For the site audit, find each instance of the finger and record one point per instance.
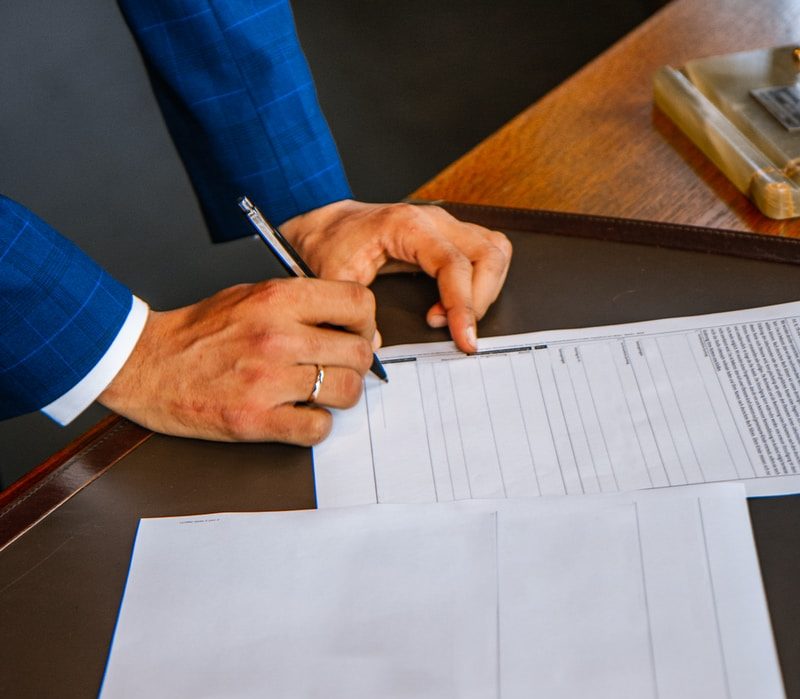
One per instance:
(459, 255)
(488, 276)
(487, 281)
(257, 420)
(344, 304)
(338, 387)
(453, 273)
(463, 327)
(332, 347)
(490, 253)
(305, 425)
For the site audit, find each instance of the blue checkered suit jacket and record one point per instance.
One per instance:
(240, 104)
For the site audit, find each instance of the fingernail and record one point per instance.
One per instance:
(437, 321)
(377, 340)
(472, 337)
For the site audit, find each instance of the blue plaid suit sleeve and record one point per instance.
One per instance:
(240, 103)
(59, 312)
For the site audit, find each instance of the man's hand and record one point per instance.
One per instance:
(236, 365)
(350, 240)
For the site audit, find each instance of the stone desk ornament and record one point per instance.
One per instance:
(743, 111)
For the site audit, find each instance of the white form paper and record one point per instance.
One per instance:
(313, 604)
(653, 594)
(617, 408)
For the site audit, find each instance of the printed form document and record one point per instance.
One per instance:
(643, 405)
(653, 594)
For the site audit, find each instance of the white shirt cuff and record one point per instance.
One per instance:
(66, 408)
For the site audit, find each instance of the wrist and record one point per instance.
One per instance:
(316, 219)
(69, 405)
(124, 392)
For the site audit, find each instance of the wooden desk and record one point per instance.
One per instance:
(596, 144)
(61, 582)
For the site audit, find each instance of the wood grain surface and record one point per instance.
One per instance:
(597, 145)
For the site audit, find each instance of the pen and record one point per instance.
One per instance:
(291, 261)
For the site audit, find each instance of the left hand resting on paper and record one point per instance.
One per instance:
(353, 241)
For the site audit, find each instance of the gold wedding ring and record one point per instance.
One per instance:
(317, 384)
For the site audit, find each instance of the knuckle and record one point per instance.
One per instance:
(496, 259)
(370, 303)
(270, 287)
(361, 297)
(502, 243)
(456, 259)
(234, 291)
(237, 421)
(274, 344)
(403, 211)
(286, 290)
(364, 355)
(407, 218)
(468, 311)
(271, 291)
(351, 386)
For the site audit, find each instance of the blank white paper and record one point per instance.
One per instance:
(311, 604)
(612, 409)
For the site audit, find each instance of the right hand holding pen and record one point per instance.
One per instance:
(234, 367)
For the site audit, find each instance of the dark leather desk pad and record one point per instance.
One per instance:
(61, 582)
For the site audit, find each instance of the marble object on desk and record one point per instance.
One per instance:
(711, 101)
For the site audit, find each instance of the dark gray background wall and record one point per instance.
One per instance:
(407, 88)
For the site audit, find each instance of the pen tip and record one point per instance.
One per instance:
(378, 370)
